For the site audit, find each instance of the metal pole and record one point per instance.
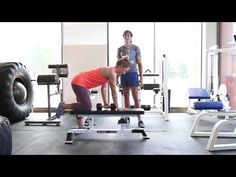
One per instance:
(62, 60)
(108, 57)
(165, 87)
(49, 106)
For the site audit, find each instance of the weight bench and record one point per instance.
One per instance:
(196, 93)
(214, 108)
(96, 114)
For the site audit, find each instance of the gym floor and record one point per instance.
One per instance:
(166, 137)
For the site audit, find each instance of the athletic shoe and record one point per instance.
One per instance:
(122, 120)
(60, 110)
(87, 121)
(141, 124)
(128, 119)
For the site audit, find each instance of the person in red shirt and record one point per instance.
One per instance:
(82, 82)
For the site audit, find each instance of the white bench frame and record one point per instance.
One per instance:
(92, 130)
(215, 132)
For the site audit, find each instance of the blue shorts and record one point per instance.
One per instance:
(129, 79)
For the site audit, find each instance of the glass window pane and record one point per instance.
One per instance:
(181, 42)
(35, 45)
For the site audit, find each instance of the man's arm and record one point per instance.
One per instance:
(119, 54)
(104, 94)
(140, 68)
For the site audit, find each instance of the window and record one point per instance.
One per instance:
(35, 45)
(181, 43)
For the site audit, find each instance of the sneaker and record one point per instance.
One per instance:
(87, 121)
(60, 110)
(122, 120)
(141, 124)
(127, 119)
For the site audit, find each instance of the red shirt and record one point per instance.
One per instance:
(90, 79)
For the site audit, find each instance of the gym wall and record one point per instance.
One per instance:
(81, 58)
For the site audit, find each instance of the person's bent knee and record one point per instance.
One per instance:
(87, 107)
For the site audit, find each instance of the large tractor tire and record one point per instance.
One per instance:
(16, 95)
(5, 136)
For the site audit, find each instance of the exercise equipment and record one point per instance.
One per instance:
(160, 88)
(155, 87)
(143, 106)
(226, 112)
(164, 89)
(196, 93)
(205, 105)
(97, 114)
(16, 95)
(214, 108)
(215, 132)
(5, 136)
(60, 70)
(99, 107)
(146, 107)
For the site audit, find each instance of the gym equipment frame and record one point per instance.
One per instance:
(96, 114)
(61, 70)
(215, 132)
(230, 115)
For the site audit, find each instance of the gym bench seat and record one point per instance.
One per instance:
(105, 113)
(214, 108)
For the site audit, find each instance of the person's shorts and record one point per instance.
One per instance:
(129, 79)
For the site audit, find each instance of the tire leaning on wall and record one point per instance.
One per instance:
(11, 73)
(5, 136)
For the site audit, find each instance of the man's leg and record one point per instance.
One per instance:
(133, 82)
(135, 94)
(126, 91)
